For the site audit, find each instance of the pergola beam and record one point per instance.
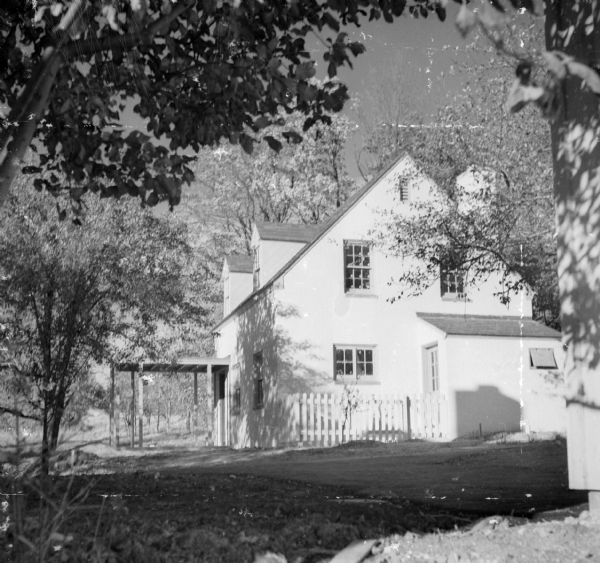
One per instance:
(199, 365)
(193, 365)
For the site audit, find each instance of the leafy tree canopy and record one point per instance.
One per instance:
(495, 206)
(116, 284)
(196, 72)
(301, 183)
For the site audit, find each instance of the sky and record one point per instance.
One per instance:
(421, 53)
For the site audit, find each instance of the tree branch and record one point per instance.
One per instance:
(16, 412)
(33, 103)
(121, 42)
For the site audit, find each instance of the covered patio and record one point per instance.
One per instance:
(216, 371)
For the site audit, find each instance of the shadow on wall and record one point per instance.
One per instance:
(285, 371)
(485, 411)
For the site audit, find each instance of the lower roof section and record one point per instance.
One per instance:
(484, 325)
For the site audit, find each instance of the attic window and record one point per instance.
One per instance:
(404, 192)
(403, 189)
(542, 358)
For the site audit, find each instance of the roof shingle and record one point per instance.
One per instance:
(239, 263)
(288, 232)
(480, 325)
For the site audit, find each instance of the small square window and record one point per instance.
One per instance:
(542, 358)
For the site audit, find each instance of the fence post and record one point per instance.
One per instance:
(304, 409)
(408, 418)
(370, 415)
(296, 414)
(319, 409)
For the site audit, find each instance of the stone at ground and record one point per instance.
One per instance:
(557, 541)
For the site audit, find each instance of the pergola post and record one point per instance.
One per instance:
(196, 404)
(111, 408)
(117, 416)
(17, 426)
(141, 405)
(210, 386)
(132, 409)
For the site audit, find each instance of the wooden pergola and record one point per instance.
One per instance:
(193, 365)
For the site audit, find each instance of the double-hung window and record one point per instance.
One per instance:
(357, 266)
(452, 282)
(353, 362)
(259, 399)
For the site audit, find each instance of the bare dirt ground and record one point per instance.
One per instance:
(420, 501)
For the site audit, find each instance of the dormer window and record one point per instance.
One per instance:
(357, 266)
(255, 268)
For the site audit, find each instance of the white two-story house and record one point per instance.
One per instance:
(312, 312)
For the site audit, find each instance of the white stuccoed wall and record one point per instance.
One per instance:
(297, 321)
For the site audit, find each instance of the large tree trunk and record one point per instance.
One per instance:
(576, 152)
(45, 456)
(58, 410)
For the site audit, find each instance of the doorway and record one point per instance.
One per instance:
(431, 371)
(221, 408)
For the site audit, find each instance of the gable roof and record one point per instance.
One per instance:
(239, 263)
(483, 325)
(288, 232)
(322, 230)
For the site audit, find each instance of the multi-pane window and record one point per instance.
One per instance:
(432, 369)
(353, 361)
(255, 269)
(452, 281)
(357, 266)
(258, 380)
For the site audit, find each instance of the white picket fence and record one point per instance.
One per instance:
(327, 419)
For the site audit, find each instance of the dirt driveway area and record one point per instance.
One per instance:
(398, 502)
(517, 478)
